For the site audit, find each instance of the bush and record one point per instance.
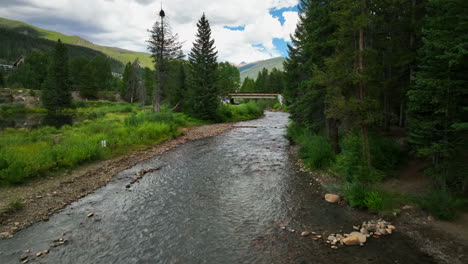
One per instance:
(232, 113)
(385, 154)
(356, 193)
(314, 149)
(374, 201)
(442, 203)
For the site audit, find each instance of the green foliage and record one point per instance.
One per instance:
(14, 44)
(386, 155)
(203, 101)
(14, 107)
(233, 113)
(356, 193)
(248, 86)
(16, 206)
(76, 45)
(228, 80)
(32, 73)
(442, 203)
(25, 154)
(361, 195)
(315, 150)
(2, 79)
(56, 89)
(437, 101)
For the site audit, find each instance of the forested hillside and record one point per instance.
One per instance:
(118, 54)
(251, 70)
(364, 73)
(13, 45)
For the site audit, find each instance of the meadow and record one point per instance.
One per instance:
(27, 154)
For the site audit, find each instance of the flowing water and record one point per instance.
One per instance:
(215, 200)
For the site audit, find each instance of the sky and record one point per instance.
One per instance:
(244, 30)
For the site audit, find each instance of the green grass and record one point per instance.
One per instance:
(247, 111)
(26, 154)
(16, 206)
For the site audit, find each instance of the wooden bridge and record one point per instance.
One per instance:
(257, 96)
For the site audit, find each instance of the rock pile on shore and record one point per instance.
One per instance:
(372, 228)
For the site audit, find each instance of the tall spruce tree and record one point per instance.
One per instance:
(204, 92)
(438, 104)
(56, 91)
(163, 45)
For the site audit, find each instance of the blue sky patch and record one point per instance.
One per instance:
(238, 28)
(278, 13)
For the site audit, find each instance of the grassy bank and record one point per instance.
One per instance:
(26, 154)
(363, 186)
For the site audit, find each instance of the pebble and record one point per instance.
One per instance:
(90, 214)
(334, 247)
(23, 257)
(305, 233)
(38, 254)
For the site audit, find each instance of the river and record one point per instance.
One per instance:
(216, 200)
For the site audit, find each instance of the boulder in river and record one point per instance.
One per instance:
(332, 198)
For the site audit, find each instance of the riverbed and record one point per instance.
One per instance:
(222, 199)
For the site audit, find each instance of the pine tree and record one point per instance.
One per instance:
(438, 103)
(2, 79)
(56, 91)
(204, 92)
(248, 86)
(163, 46)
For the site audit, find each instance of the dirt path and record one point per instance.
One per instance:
(45, 196)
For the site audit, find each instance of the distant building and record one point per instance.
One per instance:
(16, 64)
(19, 61)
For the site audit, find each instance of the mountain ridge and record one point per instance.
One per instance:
(252, 69)
(119, 54)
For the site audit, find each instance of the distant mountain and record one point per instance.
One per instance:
(251, 70)
(118, 54)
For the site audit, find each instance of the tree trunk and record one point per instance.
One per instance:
(365, 138)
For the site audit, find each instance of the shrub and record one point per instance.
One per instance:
(442, 203)
(231, 113)
(356, 193)
(16, 205)
(316, 151)
(374, 201)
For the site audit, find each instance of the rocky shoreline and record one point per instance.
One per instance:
(444, 245)
(43, 197)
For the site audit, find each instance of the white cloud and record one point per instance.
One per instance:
(123, 23)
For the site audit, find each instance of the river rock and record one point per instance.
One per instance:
(23, 257)
(331, 238)
(305, 233)
(362, 238)
(5, 235)
(332, 198)
(90, 214)
(351, 241)
(407, 207)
